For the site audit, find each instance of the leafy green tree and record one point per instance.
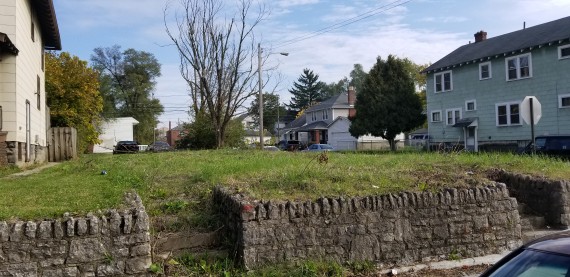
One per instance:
(271, 109)
(307, 91)
(331, 89)
(128, 81)
(72, 91)
(200, 134)
(357, 77)
(388, 104)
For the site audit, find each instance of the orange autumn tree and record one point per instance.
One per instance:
(72, 89)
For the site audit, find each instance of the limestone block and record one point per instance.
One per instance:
(70, 272)
(115, 223)
(85, 250)
(82, 227)
(70, 227)
(4, 231)
(137, 265)
(127, 223)
(113, 269)
(45, 230)
(17, 231)
(58, 231)
(93, 225)
(140, 250)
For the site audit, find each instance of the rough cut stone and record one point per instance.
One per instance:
(45, 230)
(85, 250)
(4, 231)
(137, 265)
(81, 227)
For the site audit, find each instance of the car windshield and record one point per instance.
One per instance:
(535, 263)
(540, 142)
(326, 146)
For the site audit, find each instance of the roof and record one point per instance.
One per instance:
(337, 101)
(48, 24)
(6, 45)
(298, 122)
(317, 125)
(552, 32)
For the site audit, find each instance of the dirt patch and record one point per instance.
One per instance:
(452, 272)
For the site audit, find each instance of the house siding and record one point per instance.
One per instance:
(549, 79)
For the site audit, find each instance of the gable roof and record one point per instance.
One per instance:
(556, 31)
(298, 122)
(48, 23)
(337, 101)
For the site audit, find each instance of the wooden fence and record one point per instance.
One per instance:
(62, 143)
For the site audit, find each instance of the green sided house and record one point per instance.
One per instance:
(474, 93)
(27, 28)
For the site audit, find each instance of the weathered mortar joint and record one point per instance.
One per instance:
(394, 228)
(114, 243)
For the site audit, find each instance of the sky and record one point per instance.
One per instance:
(421, 30)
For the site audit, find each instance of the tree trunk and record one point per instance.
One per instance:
(392, 143)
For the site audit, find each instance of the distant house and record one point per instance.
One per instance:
(474, 93)
(327, 122)
(113, 131)
(27, 28)
(252, 130)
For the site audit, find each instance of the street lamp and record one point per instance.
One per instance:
(261, 140)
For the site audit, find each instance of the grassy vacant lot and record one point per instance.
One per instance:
(177, 184)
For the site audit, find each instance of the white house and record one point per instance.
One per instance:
(113, 131)
(27, 28)
(328, 122)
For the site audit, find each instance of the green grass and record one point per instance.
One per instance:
(177, 185)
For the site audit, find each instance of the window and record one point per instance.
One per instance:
(313, 116)
(453, 115)
(43, 58)
(485, 71)
(470, 105)
(508, 114)
(564, 101)
(325, 114)
(564, 52)
(33, 32)
(38, 95)
(436, 116)
(443, 81)
(519, 67)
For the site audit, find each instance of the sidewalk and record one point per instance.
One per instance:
(31, 171)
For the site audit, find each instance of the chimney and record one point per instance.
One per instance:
(480, 36)
(351, 101)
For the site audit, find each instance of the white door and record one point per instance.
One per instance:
(471, 139)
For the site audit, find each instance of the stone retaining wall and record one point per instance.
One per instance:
(547, 198)
(390, 229)
(114, 244)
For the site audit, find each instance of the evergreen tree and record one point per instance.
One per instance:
(307, 90)
(388, 104)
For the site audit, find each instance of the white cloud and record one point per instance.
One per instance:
(291, 3)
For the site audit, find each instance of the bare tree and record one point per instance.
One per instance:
(217, 57)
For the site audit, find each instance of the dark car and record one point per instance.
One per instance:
(290, 145)
(126, 146)
(159, 146)
(554, 145)
(547, 256)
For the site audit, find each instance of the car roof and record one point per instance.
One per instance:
(557, 243)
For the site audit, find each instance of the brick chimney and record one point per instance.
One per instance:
(351, 101)
(480, 36)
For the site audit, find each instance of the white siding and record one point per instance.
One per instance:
(113, 131)
(339, 137)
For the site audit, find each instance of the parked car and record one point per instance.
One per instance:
(553, 145)
(547, 256)
(290, 145)
(270, 148)
(159, 146)
(319, 148)
(126, 146)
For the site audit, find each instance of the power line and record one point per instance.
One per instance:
(344, 23)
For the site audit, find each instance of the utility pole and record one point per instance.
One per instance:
(261, 141)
